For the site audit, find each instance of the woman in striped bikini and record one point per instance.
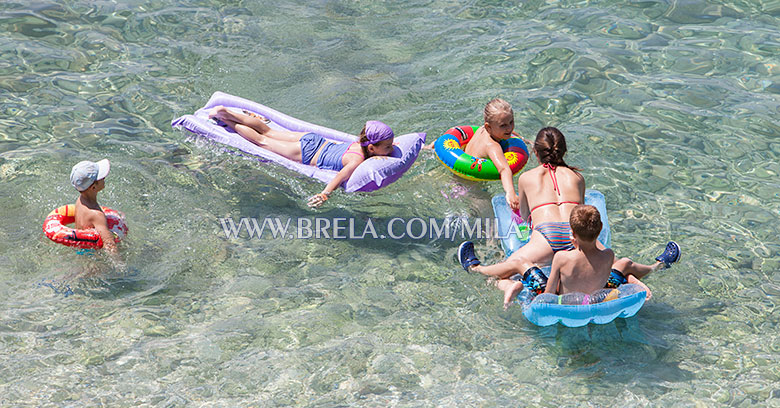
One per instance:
(376, 139)
(548, 194)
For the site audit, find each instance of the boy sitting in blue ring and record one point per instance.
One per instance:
(589, 266)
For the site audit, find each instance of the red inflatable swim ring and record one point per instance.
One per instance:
(55, 228)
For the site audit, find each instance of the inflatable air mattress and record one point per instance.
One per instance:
(374, 173)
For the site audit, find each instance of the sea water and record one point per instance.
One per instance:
(669, 107)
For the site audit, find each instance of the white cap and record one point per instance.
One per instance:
(86, 172)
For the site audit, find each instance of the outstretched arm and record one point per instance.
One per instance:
(98, 219)
(499, 160)
(633, 279)
(526, 141)
(343, 174)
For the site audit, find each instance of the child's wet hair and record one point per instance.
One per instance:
(495, 107)
(585, 222)
(550, 146)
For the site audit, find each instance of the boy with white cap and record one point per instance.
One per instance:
(89, 179)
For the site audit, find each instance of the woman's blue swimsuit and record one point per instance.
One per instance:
(331, 155)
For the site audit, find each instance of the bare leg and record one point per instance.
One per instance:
(629, 267)
(511, 288)
(505, 269)
(290, 150)
(537, 250)
(255, 123)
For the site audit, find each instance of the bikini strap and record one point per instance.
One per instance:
(347, 151)
(551, 169)
(558, 203)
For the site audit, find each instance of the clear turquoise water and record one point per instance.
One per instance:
(671, 108)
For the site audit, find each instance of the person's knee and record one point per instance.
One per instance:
(517, 264)
(622, 264)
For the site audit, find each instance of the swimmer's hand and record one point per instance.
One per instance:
(317, 200)
(513, 201)
(428, 146)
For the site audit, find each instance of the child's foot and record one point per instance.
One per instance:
(466, 255)
(671, 254)
(510, 293)
(217, 111)
(254, 115)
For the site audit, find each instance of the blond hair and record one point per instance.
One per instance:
(495, 107)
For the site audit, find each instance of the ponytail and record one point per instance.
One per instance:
(550, 146)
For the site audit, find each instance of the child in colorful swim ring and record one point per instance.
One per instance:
(547, 194)
(89, 178)
(376, 139)
(499, 124)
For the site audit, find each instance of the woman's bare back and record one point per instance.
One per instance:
(538, 189)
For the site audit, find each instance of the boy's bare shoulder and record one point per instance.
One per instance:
(87, 217)
(565, 257)
(97, 212)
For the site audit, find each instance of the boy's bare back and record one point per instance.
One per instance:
(582, 271)
(586, 268)
(88, 216)
(89, 179)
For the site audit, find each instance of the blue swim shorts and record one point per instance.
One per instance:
(310, 144)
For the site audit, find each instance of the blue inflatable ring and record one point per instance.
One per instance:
(546, 309)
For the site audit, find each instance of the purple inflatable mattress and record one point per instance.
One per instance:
(374, 173)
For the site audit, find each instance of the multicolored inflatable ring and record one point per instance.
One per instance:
(449, 149)
(54, 226)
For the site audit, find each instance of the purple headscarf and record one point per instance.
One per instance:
(377, 131)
